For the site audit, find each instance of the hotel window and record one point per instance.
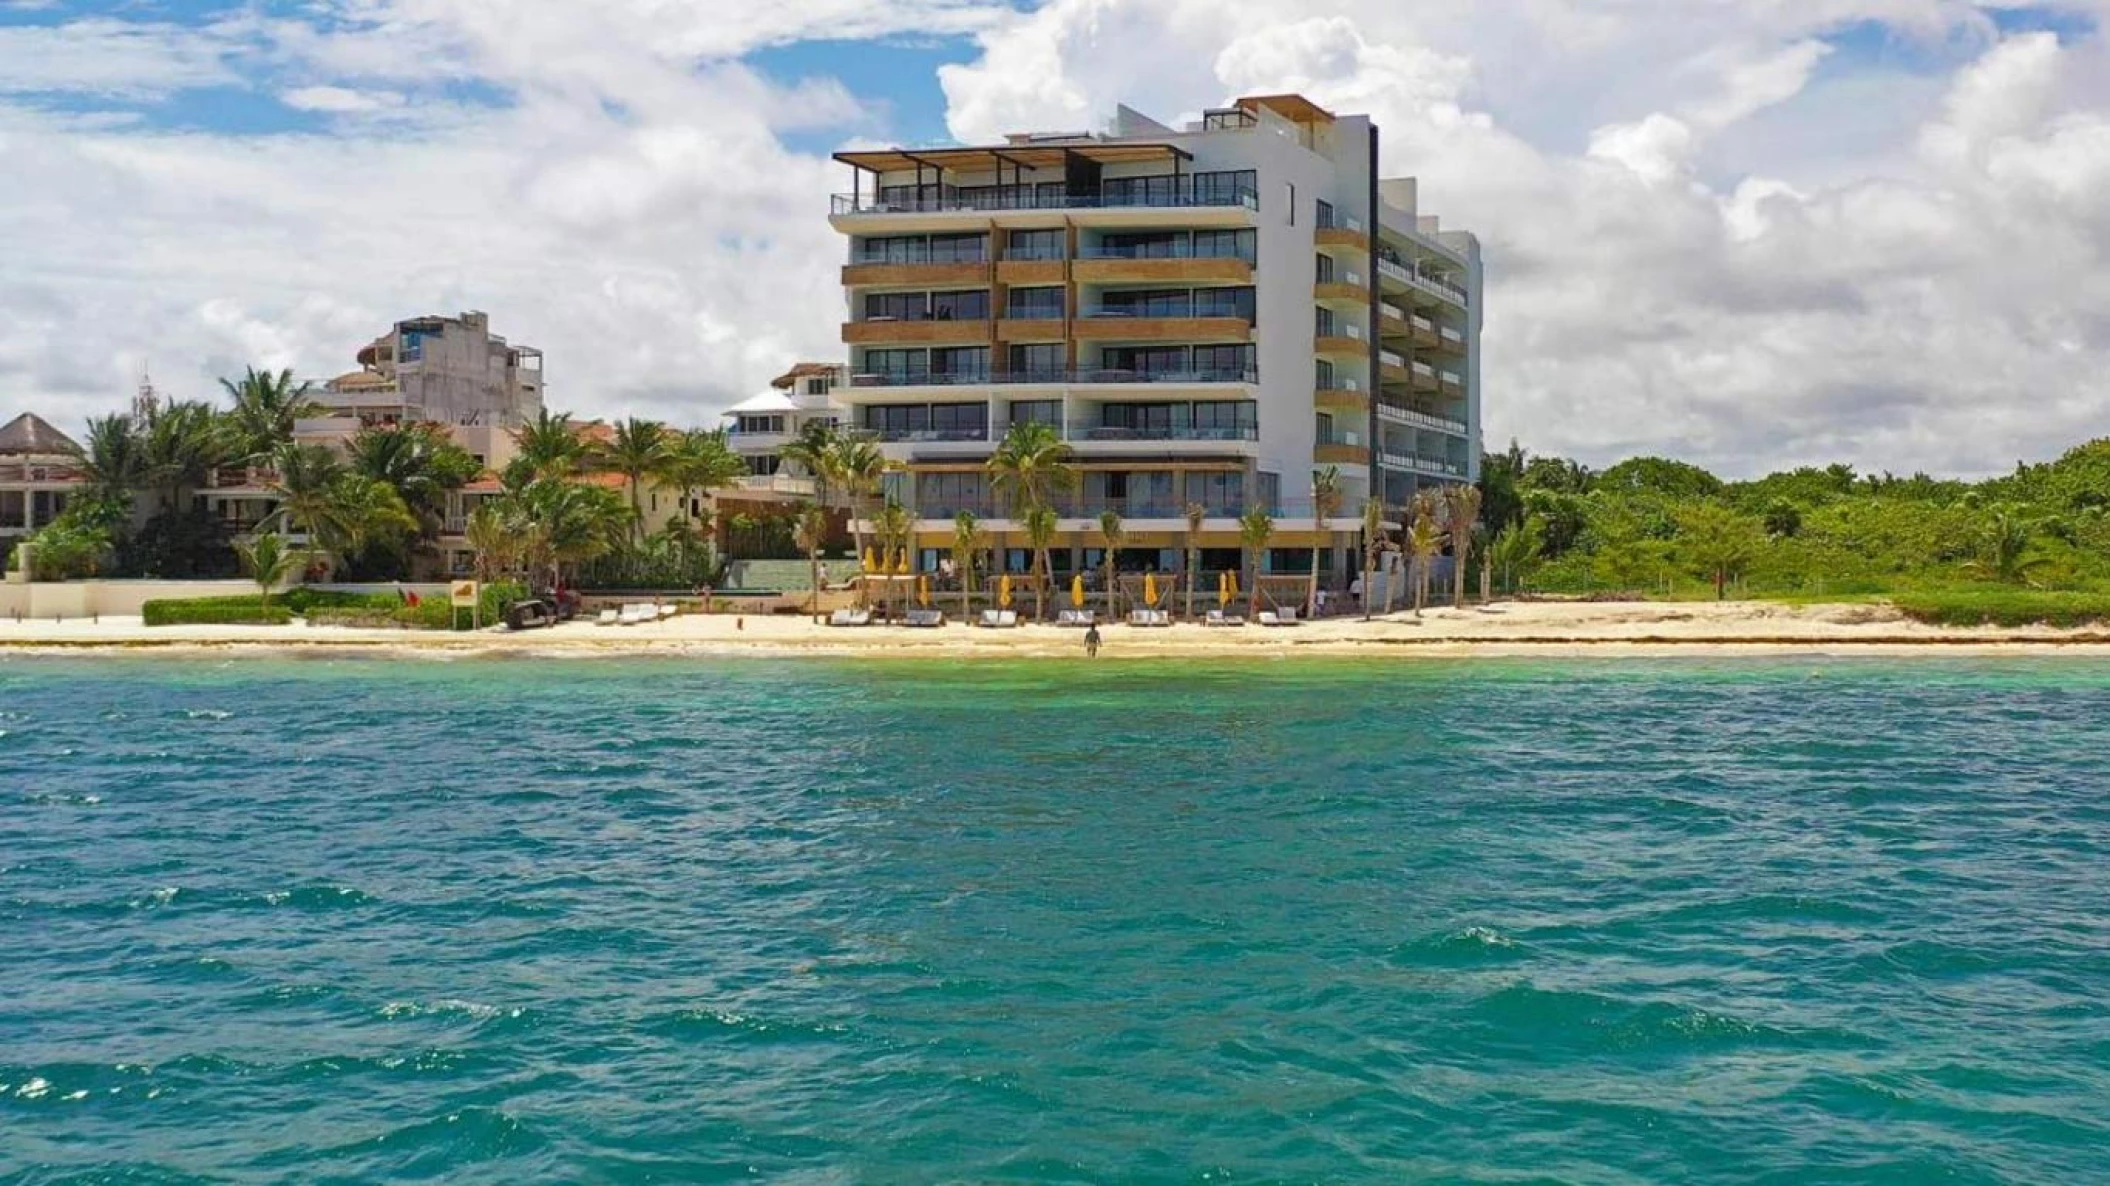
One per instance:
(1147, 360)
(897, 419)
(969, 363)
(1324, 323)
(1038, 363)
(1160, 245)
(897, 306)
(761, 424)
(1036, 245)
(1322, 375)
(816, 387)
(1325, 269)
(1224, 302)
(1224, 245)
(896, 363)
(1036, 304)
(949, 494)
(1228, 361)
(969, 305)
(960, 419)
(1227, 187)
(1037, 411)
(1229, 417)
(1220, 492)
(1270, 488)
(1160, 190)
(1140, 418)
(1149, 302)
(1325, 213)
(959, 249)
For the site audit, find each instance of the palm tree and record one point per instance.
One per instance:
(1031, 464)
(859, 465)
(810, 531)
(1196, 512)
(1424, 540)
(1040, 524)
(305, 482)
(1515, 550)
(265, 408)
(114, 461)
(1461, 505)
(637, 449)
(1373, 549)
(184, 443)
(493, 538)
(269, 560)
(701, 460)
(569, 524)
(813, 450)
(1325, 503)
(966, 541)
(2008, 548)
(893, 526)
(549, 446)
(1111, 531)
(420, 462)
(370, 515)
(1255, 528)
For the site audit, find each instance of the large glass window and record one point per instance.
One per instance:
(1148, 302)
(1230, 416)
(1227, 187)
(1036, 304)
(1140, 191)
(1152, 245)
(1147, 360)
(896, 306)
(1036, 245)
(1037, 363)
(968, 305)
(1224, 245)
(1037, 411)
(1322, 375)
(959, 249)
(960, 362)
(1230, 361)
(1224, 302)
(896, 420)
(1222, 493)
(1325, 268)
(941, 496)
(960, 420)
(1324, 323)
(896, 363)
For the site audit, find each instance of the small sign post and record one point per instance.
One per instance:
(461, 594)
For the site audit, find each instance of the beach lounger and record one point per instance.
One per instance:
(850, 617)
(1076, 617)
(668, 611)
(1161, 617)
(988, 620)
(1007, 618)
(1219, 618)
(1268, 617)
(1139, 617)
(607, 618)
(926, 618)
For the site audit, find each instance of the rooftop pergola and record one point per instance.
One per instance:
(931, 165)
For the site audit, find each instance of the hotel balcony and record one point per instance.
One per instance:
(1346, 341)
(14, 474)
(1340, 399)
(885, 331)
(1400, 277)
(1341, 231)
(1095, 377)
(1340, 448)
(879, 272)
(1347, 288)
(1434, 467)
(1032, 325)
(1395, 412)
(1080, 513)
(1111, 325)
(1029, 266)
(1109, 265)
(941, 207)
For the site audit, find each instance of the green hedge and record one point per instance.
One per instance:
(2004, 607)
(303, 599)
(431, 613)
(215, 611)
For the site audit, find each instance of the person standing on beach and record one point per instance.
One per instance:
(1091, 641)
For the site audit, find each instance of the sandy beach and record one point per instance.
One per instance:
(1537, 628)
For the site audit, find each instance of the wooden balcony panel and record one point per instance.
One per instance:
(1341, 346)
(1031, 329)
(913, 275)
(1030, 271)
(1340, 455)
(1162, 329)
(1341, 399)
(1165, 271)
(1334, 290)
(917, 333)
(1341, 237)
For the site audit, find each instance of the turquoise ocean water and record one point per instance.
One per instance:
(708, 920)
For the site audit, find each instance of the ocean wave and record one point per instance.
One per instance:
(1522, 1014)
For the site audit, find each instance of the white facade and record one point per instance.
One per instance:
(759, 427)
(1208, 314)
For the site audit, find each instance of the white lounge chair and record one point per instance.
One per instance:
(668, 611)
(850, 617)
(607, 618)
(988, 619)
(631, 615)
(1007, 618)
(1218, 617)
(1076, 617)
(926, 618)
(1278, 617)
(1139, 617)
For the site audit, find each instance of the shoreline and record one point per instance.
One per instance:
(1543, 629)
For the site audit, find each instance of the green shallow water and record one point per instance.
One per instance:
(695, 921)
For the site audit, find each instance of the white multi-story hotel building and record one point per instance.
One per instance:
(758, 428)
(1208, 315)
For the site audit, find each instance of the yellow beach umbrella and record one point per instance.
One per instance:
(901, 563)
(1077, 590)
(1003, 591)
(1150, 589)
(868, 566)
(1233, 577)
(923, 591)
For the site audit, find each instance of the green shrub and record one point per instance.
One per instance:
(2004, 607)
(215, 611)
(303, 599)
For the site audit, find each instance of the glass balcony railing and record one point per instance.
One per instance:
(1155, 197)
(1172, 250)
(918, 257)
(1163, 432)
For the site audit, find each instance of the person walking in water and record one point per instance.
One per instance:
(1091, 641)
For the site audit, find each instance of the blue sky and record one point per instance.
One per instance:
(1703, 235)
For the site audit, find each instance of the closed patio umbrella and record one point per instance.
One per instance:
(1150, 589)
(901, 563)
(923, 591)
(1223, 589)
(1077, 591)
(1003, 591)
(868, 566)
